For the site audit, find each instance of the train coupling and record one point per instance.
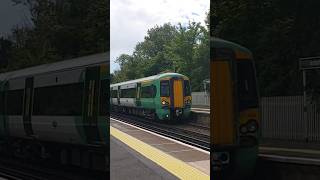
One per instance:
(178, 112)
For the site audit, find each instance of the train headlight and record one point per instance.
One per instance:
(252, 126)
(243, 129)
(164, 103)
(188, 101)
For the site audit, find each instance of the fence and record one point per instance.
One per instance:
(284, 118)
(200, 99)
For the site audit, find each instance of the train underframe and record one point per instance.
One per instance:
(87, 157)
(168, 114)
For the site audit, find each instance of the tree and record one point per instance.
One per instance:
(5, 48)
(59, 30)
(182, 49)
(277, 32)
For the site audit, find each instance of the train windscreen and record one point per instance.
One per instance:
(247, 87)
(187, 90)
(164, 88)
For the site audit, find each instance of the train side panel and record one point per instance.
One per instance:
(14, 108)
(148, 95)
(57, 106)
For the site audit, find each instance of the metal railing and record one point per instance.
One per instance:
(284, 118)
(200, 99)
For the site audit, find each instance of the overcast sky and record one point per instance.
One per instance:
(11, 15)
(130, 20)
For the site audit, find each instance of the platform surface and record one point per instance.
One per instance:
(126, 164)
(160, 156)
(290, 155)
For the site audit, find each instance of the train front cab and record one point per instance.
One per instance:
(234, 111)
(175, 98)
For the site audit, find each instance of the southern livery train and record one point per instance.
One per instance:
(58, 112)
(235, 111)
(165, 96)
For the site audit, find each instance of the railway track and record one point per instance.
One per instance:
(14, 170)
(199, 126)
(15, 174)
(193, 138)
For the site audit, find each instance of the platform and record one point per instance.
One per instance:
(290, 155)
(128, 164)
(287, 162)
(160, 156)
(200, 110)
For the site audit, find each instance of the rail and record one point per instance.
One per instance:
(182, 134)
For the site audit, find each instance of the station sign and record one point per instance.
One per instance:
(309, 63)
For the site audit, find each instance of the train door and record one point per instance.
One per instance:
(138, 101)
(27, 106)
(91, 103)
(177, 88)
(222, 100)
(2, 109)
(118, 95)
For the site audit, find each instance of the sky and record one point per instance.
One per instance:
(131, 19)
(11, 15)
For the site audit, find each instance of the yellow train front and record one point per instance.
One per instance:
(234, 111)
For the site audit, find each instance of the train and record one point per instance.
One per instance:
(235, 126)
(163, 97)
(58, 112)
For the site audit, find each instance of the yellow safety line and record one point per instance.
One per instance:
(306, 151)
(171, 164)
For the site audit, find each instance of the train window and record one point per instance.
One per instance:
(148, 91)
(247, 89)
(63, 100)
(187, 91)
(104, 103)
(15, 102)
(165, 88)
(222, 53)
(128, 93)
(114, 94)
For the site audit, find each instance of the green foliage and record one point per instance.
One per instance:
(278, 32)
(168, 48)
(5, 50)
(59, 30)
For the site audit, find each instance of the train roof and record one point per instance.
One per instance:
(221, 43)
(147, 78)
(95, 59)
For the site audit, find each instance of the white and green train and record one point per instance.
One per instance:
(57, 110)
(165, 96)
